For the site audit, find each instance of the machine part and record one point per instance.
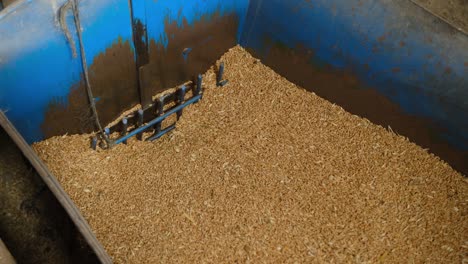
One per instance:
(159, 119)
(140, 123)
(155, 114)
(180, 99)
(219, 78)
(94, 142)
(199, 85)
(185, 53)
(159, 111)
(162, 133)
(124, 128)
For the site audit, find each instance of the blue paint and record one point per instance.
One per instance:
(158, 12)
(36, 61)
(104, 23)
(349, 34)
(33, 68)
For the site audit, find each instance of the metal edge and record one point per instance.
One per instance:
(427, 10)
(12, 8)
(63, 198)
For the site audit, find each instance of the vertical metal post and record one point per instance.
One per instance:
(199, 85)
(107, 132)
(159, 112)
(140, 123)
(219, 78)
(94, 142)
(180, 99)
(124, 128)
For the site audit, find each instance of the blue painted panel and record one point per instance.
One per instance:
(36, 65)
(157, 12)
(104, 22)
(409, 56)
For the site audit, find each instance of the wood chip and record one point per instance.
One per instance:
(263, 171)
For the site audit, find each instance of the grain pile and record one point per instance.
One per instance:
(263, 171)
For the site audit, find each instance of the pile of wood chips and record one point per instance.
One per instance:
(263, 171)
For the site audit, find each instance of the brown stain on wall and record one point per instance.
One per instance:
(345, 89)
(73, 117)
(207, 38)
(113, 80)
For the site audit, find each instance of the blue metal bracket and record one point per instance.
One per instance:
(137, 119)
(158, 120)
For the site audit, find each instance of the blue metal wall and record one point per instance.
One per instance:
(27, 51)
(36, 64)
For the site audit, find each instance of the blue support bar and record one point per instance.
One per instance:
(162, 133)
(107, 132)
(158, 119)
